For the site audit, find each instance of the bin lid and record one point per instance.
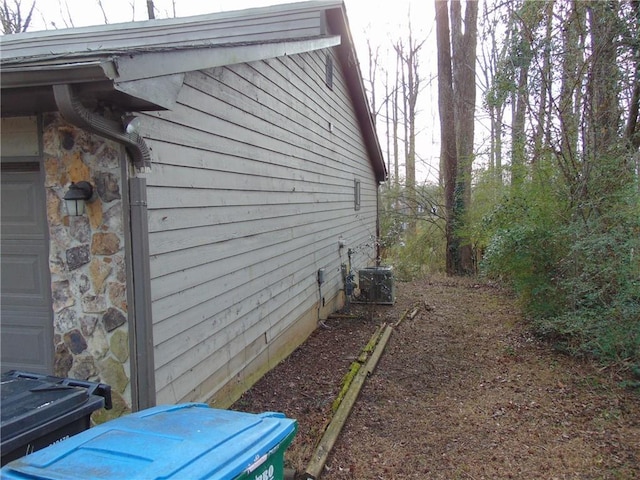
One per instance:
(30, 402)
(167, 442)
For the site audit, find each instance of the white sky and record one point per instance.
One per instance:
(382, 21)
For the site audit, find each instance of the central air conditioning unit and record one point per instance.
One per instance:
(376, 286)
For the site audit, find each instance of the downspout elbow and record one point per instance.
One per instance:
(74, 112)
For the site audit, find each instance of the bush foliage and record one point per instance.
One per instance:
(574, 262)
(575, 266)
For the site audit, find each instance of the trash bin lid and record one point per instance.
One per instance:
(28, 403)
(186, 441)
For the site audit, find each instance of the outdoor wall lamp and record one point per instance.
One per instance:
(75, 198)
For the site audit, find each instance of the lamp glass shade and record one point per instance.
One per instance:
(75, 207)
(76, 197)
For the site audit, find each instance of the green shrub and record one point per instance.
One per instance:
(575, 267)
(600, 282)
(526, 243)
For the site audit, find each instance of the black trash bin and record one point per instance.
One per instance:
(38, 410)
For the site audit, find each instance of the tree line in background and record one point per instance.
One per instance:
(554, 209)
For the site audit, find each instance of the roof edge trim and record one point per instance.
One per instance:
(338, 21)
(148, 64)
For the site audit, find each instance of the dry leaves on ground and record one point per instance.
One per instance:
(463, 390)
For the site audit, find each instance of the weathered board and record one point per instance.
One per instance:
(241, 219)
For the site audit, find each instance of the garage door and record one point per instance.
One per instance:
(26, 325)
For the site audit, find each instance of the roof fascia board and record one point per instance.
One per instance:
(154, 64)
(338, 22)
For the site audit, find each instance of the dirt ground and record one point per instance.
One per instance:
(462, 391)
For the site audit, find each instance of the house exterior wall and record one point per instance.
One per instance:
(87, 260)
(251, 189)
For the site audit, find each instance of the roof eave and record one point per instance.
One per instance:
(337, 20)
(145, 79)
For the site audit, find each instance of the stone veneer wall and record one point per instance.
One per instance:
(87, 261)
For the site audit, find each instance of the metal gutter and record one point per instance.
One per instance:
(20, 76)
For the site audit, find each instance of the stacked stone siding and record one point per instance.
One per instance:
(87, 260)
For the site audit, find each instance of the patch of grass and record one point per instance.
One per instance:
(630, 384)
(509, 351)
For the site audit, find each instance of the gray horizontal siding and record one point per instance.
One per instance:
(242, 218)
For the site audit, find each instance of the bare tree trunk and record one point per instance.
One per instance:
(495, 93)
(464, 43)
(610, 166)
(410, 165)
(498, 143)
(448, 151)
(632, 125)
(545, 86)
(387, 96)
(412, 89)
(373, 69)
(405, 124)
(518, 134)
(396, 120)
(520, 96)
(569, 109)
(603, 81)
(631, 132)
(151, 10)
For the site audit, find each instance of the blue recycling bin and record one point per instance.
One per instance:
(187, 441)
(37, 410)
